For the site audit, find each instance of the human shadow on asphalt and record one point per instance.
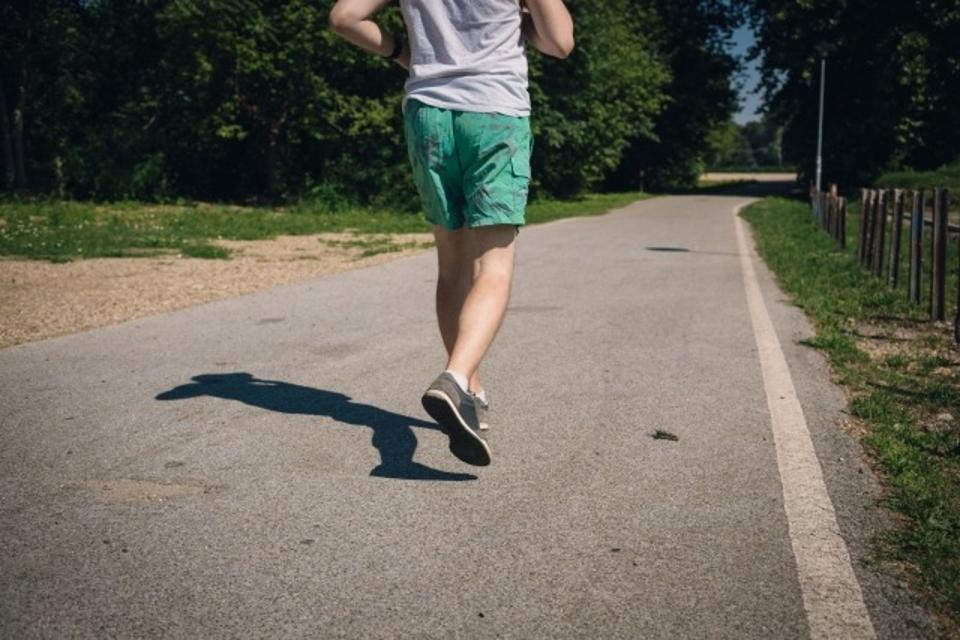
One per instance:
(393, 435)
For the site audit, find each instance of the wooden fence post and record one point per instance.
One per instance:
(832, 211)
(956, 321)
(825, 221)
(842, 230)
(832, 204)
(939, 279)
(871, 226)
(916, 246)
(866, 225)
(824, 210)
(895, 239)
(879, 233)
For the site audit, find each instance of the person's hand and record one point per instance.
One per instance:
(404, 58)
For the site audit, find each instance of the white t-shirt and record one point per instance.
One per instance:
(467, 55)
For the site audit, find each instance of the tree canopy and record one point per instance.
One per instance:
(893, 76)
(251, 100)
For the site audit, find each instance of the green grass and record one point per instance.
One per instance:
(903, 374)
(65, 230)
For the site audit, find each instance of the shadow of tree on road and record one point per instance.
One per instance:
(393, 435)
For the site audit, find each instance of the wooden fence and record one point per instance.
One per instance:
(890, 218)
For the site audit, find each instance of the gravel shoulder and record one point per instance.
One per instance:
(41, 300)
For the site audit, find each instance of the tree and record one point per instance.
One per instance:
(253, 100)
(729, 149)
(891, 80)
(273, 97)
(591, 105)
(764, 138)
(693, 38)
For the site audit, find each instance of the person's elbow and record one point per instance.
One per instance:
(563, 47)
(340, 18)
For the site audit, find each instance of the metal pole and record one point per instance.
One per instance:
(823, 75)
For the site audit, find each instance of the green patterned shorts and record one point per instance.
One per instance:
(471, 168)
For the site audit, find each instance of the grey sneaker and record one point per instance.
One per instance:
(483, 410)
(456, 413)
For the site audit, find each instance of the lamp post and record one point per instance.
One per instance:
(823, 49)
(823, 75)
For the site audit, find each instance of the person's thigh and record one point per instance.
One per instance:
(493, 248)
(494, 151)
(434, 162)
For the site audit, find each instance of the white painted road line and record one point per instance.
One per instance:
(831, 594)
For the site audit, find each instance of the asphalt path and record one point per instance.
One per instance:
(260, 467)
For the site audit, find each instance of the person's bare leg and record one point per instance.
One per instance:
(456, 270)
(485, 304)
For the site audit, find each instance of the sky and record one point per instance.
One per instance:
(743, 39)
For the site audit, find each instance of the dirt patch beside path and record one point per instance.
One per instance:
(41, 299)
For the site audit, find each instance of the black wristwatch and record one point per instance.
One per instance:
(397, 48)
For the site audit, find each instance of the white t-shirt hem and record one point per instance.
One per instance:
(475, 108)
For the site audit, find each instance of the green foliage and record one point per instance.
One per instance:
(592, 104)
(203, 250)
(766, 142)
(891, 85)
(254, 101)
(729, 147)
(238, 100)
(277, 98)
(947, 176)
(747, 147)
(693, 39)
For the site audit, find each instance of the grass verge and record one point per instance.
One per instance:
(65, 230)
(903, 375)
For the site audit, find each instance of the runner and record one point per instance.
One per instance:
(466, 119)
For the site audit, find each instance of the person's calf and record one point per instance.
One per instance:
(479, 322)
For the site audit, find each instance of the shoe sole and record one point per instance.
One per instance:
(464, 443)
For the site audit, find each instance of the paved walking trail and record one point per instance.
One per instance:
(260, 467)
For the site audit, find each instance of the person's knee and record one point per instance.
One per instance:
(496, 263)
(495, 273)
(449, 276)
(453, 269)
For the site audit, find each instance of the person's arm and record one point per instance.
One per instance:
(350, 19)
(547, 25)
